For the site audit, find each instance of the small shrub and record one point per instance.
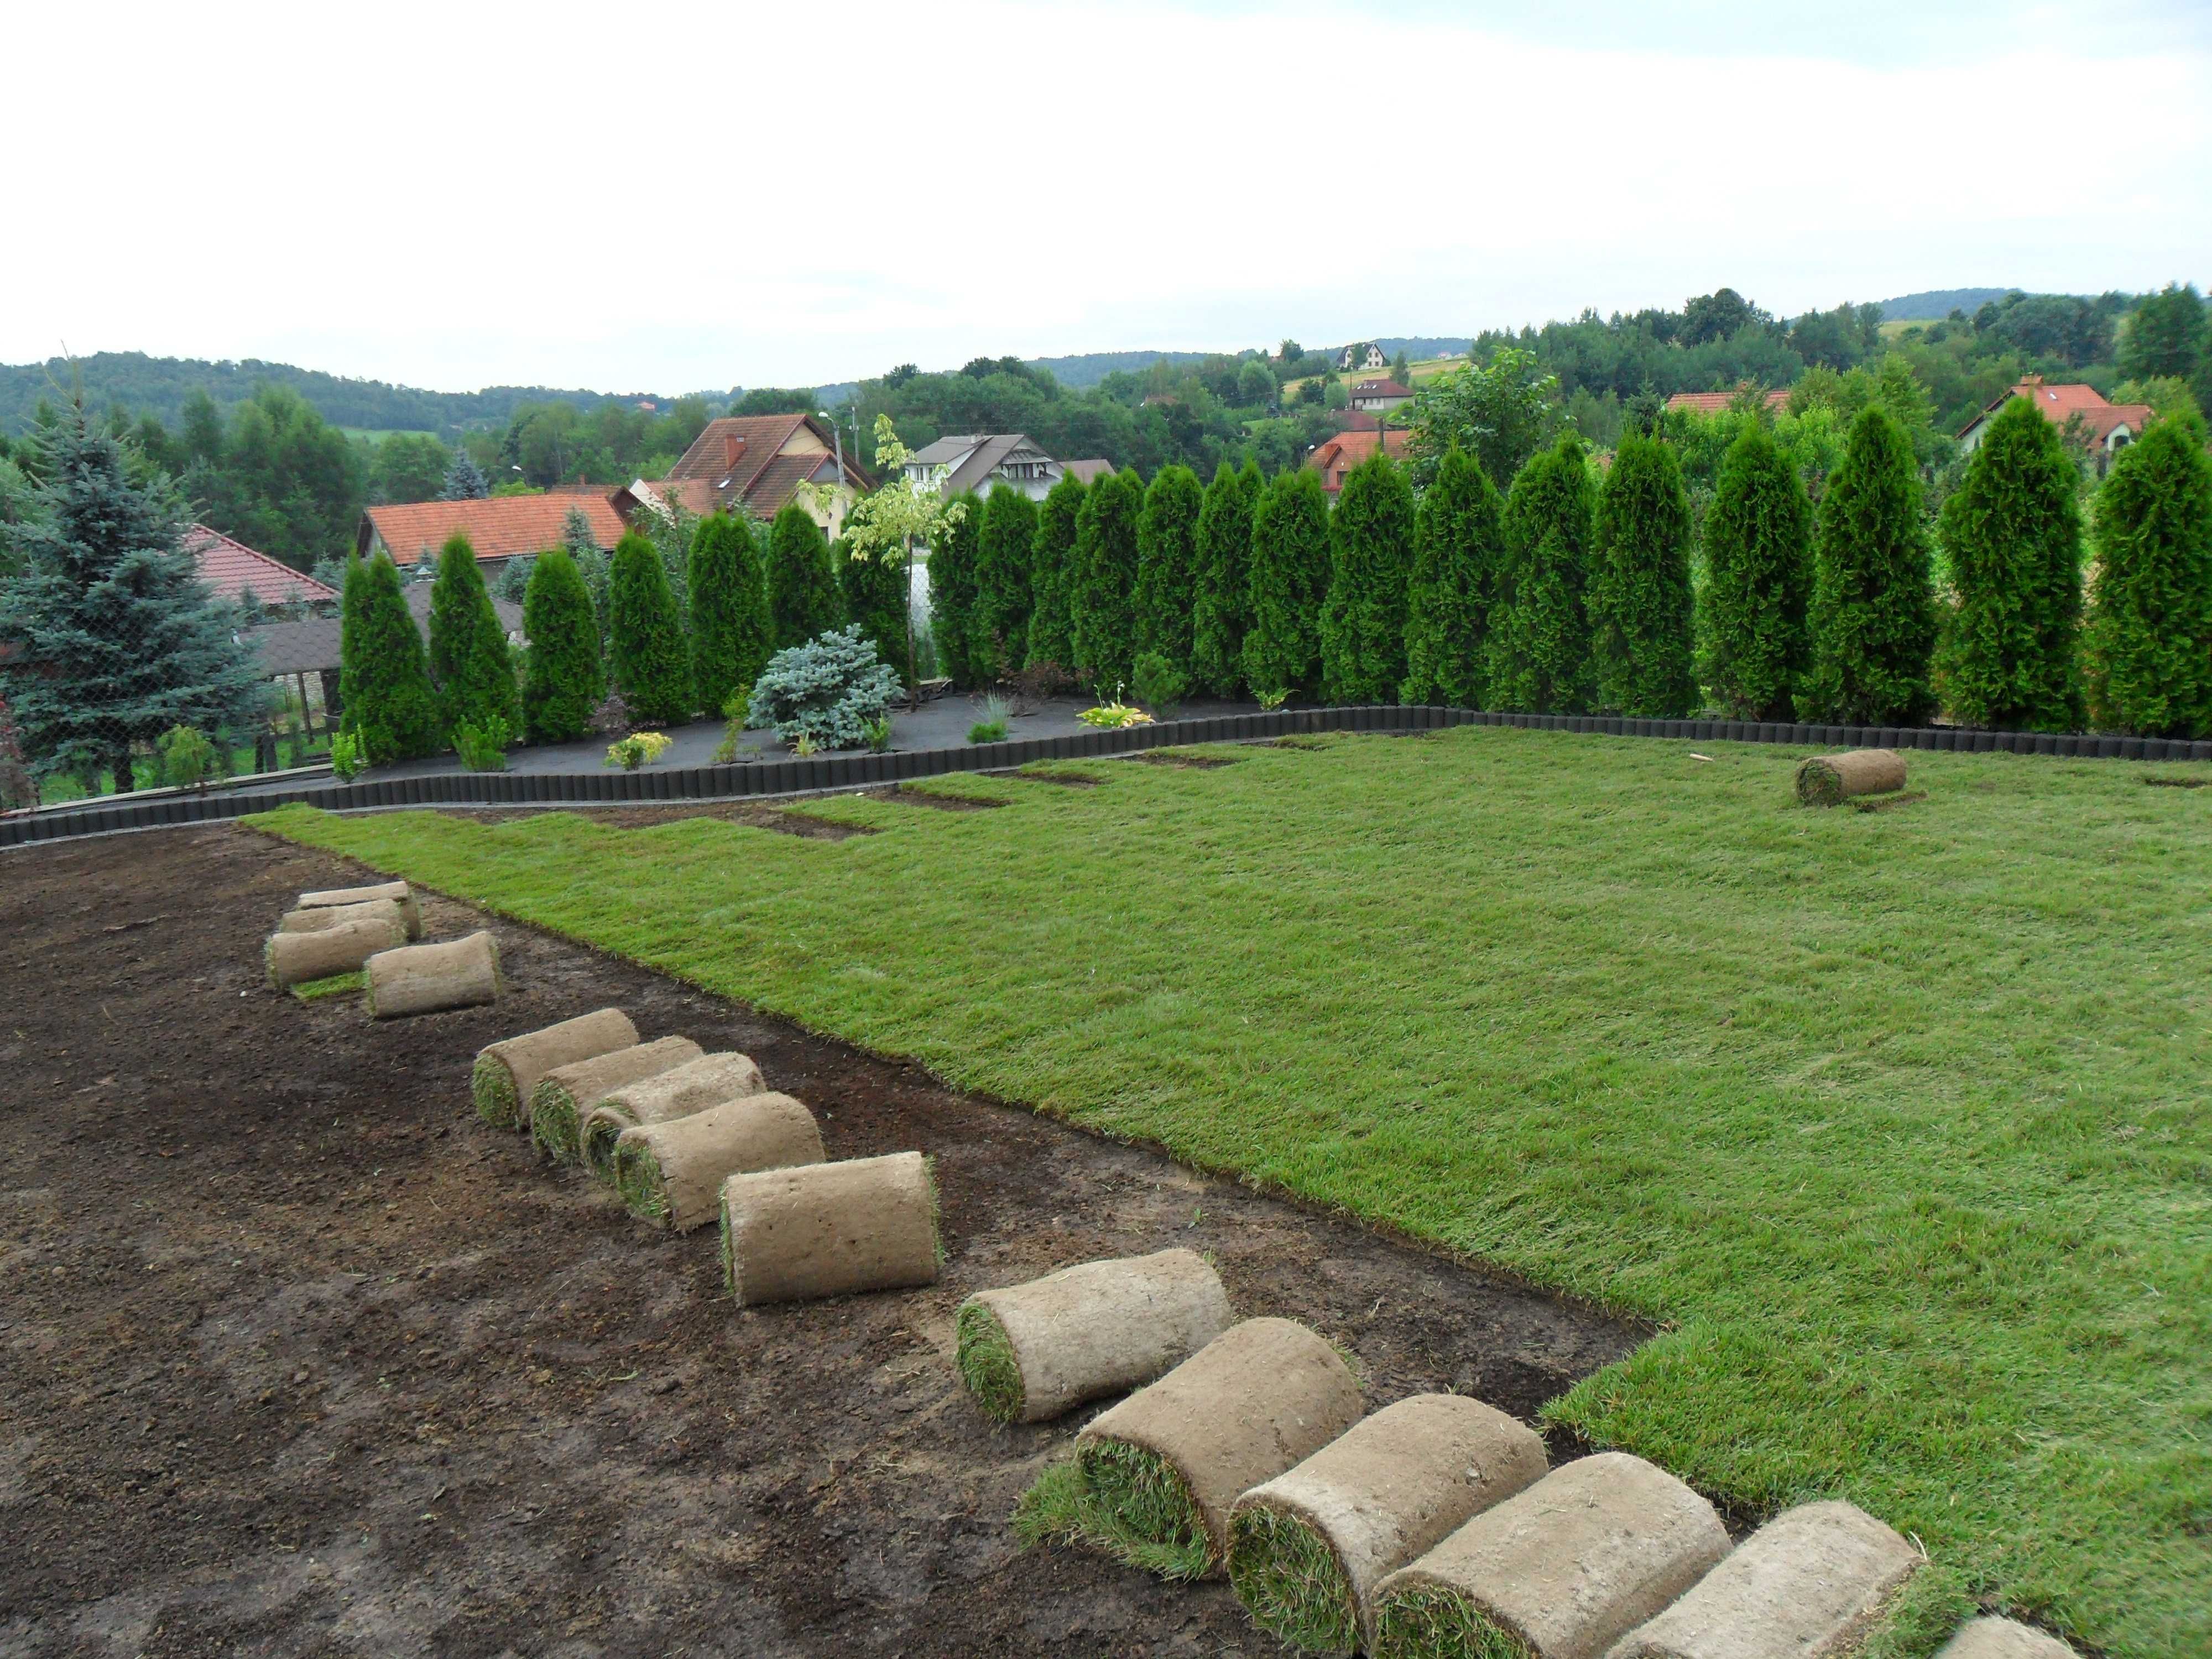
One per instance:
(733, 710)
(483, 748)
(1037, 682)
(612, 715)
(987, 731)
(189, 760)
(826, 690)
(877, 731)
(803, 745)
(638, 749)
(1113, 714)
(1271, 700)
(1159, 683)
(349, 754)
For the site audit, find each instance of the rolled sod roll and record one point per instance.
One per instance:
(295, 958)
(1560, 1571)
(334, 915)
(865, 1224)
(1160, 1472)
(692, 1087)
(673, 1171)
(559, 1099)
(1827, 780)
(1031, 1351)
(1807, 1585)
(507, 1071)
(2003, 1639)
(427, 979)
(1307, 1548)
(398, 892)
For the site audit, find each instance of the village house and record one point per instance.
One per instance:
(232, 570)
(981, 461)
(758, 464)
(1379, 397)
(2107, 427)
(1339, 455)
(1362, 357)
(498, 527)
(1719, 403)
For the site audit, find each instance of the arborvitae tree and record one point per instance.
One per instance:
(1167, 565)
(2148, 643)
(2009, 653)
(1539, 654)
(875, 591)
(952, 562)
(1101, 616)
(1873, 617)
(729, 609)
(998, 624)
(465, 479)
(802, 589)
(383, 681)
(1458, 546)
(646, 659)
(1221, 601)
(566, 680)
(1291, 570)
(470, 667)
(582, 543)
(1051, 563)
(1758, 581)
(1363, 631)
(1640, 605)
(114, 640)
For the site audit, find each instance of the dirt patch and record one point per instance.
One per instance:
(642, 818)
(2177, 783)
(1884, 803)
(1170, 757)
(301, 1358)
(1065, 780)
(910, 797)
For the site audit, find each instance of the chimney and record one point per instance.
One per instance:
(732, 447)
(2031, 380)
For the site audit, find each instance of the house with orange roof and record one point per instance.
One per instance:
(498, 527)
(1719, 403)
(231, 570)
(756, 465)
(1340, 454)
(2108, 428)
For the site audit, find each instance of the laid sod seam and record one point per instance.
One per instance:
(1122, 1500)
(1291, 1581)
(986, 1362)
(1428, 1621)
(336, 985)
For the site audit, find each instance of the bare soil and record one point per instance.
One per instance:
(300, 1359)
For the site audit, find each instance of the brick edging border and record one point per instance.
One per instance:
(794, 776)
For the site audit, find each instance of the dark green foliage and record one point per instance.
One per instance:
(952, 567)
(1052, 582)
(1221, 600)
(1640, 603)
(1538, 656)
(999, 623)
(834, 689)
(1873, 616)
(471, 668)
(647, 658)
(802, 589)
(465, 480)
(277, 475)
(1362, 629)
(1758, 581)
(1291, 566)
(2149, 637)
(1158, 684)
(2167, 335)
(2013, 532)
(875, 591)
(1102, 615)
(729, 608)
(384, 678)
(566, 680)
(1167, 565)
(1458, 547)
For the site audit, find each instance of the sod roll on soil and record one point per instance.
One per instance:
(1160, 1472)
(507, 1071)
(395, 892)
(336, 915)
(559, 1099)
(1031, 1351)
(1561, 1570)
(1830, 780)
(692, 1087)
(1807, 1584)
(673, 1171)
(865, 1224)
(1307, 1548)
(427, 979)
(295, 958)
(2003, 1639)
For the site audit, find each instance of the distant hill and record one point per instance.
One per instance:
(1080, 372)
(1937, 303)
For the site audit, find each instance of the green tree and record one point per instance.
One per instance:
(408, 466)
(1458, 549)
(1640, 602)
(729, 639)
(384, 680)
(953, 558)
(1221, 601)
(2165, 337)
(1291, 566)
(471, 670)
(1363, 620)
(1873, 617)
(1501, 412)
(646, 659)
(1758, 579)
(802, 588)
(1167, 565)
(2009, 655)
(2149, 642)
(1052, 558)
(1539, 636)
(1101, 616)
(465, 480)
(999, 625)
(566, 679)
(283, 480)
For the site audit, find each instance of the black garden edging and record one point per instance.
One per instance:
(786, 777)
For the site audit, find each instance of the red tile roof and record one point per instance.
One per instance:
(1347, 449)
(230, 568)
(740, 458)
(500, 527)
(2061, 403)
(1716, 402)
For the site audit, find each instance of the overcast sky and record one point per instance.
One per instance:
(672, 196)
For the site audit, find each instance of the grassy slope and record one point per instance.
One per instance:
(1897, 1120)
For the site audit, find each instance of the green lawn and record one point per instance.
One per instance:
(1896, 1122)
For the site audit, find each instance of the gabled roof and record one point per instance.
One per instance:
(230, 568)
(1716, 402)
(312, 646)
(1382, 389)
(734, 453)
(498, 526)
(1348, 449)
(975, 456)
(1088, 471)
(2062, 403)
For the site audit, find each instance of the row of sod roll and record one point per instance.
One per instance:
(367, 939)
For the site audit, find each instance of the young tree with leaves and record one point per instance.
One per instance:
(1052, 566)
(730, 639)
(1291, 567)
(1221, 600)
(1873, 615)
(2167, 335)
(2149, 642)
(566, 679)
(1363, 626)
(1758, 579)
(1102, 615)
(1640, 603)
(885, 527)
(802, 589)
(2008, 653)
(471, 670)
(384, 677)
(465, 479)
(1458, 547)
(999, 622)
(1167, 565)
(953, 559)
(647, 659)
(1501, 412)
(1540, 632)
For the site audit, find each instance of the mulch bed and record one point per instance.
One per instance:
(300, 1359)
